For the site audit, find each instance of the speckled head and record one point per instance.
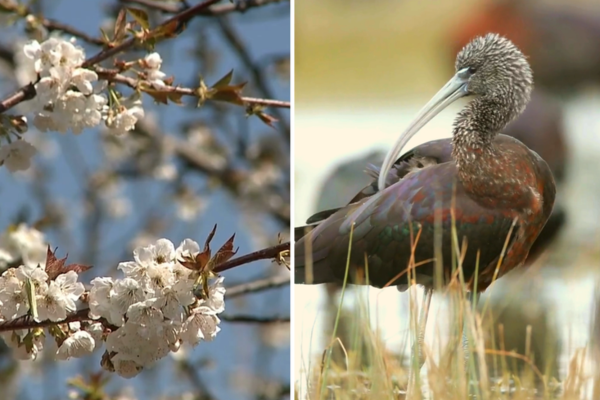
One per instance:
(496, 69)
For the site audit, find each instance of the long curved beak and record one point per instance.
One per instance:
(453, 90)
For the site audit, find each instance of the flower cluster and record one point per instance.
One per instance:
(152, 63)
(58, 106)
(141, 318)
(45, 292)
(68, 97)
(153, 308)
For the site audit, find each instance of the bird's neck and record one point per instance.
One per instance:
(473, 147)
(477, 125)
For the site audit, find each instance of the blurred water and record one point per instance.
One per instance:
(325, 138)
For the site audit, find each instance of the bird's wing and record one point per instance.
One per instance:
(422, 156)
(386, 223)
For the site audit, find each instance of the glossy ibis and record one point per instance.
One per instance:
(495, 192)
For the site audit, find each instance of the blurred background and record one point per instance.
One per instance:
(184, 169)
(362, 72)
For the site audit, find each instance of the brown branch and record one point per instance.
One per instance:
(53, 25)
(27, 322)
(259, 285)
(25, 93)
(112, 75)
(254, 320)
(239, 6)
(183, 17)
(270, 252)
(258, 77)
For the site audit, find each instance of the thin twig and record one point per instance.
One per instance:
(112, 75)
(271, 252)
(181, 18)
(253, 319)
(258, 77)
(238, 6)
(53, 25)
(257, 286)
(193, 373)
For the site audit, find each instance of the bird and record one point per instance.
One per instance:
(497, 181)
(488, 190)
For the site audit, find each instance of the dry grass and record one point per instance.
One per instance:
(359, 366)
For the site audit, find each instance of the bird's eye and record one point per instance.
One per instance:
(472, 70)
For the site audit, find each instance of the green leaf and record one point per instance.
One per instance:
(105, 37)
(30, 287)
(140, 16)
(224, 81)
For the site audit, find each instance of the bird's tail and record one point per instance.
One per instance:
(318, 272)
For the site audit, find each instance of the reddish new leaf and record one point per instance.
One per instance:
(199, 262)
(229, 94)
(266, 118)
(169, 30)
(224, 253)
(209, 239)
(56, 267)
(120, 25)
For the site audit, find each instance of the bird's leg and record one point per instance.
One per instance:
(419, 343)
(424, 313)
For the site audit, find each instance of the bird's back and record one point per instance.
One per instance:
(405, 210)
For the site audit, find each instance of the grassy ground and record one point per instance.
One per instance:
(357, 364)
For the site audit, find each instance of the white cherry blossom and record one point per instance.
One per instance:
(79, 344)
(16, 156)
(22, 244)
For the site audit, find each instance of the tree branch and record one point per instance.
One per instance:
(25, 93)
(27, 322)
(181, 18)
(112, 75)
(239, 6)
(254, 320)
(270, 252)
(53, 25)
(258, 77)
